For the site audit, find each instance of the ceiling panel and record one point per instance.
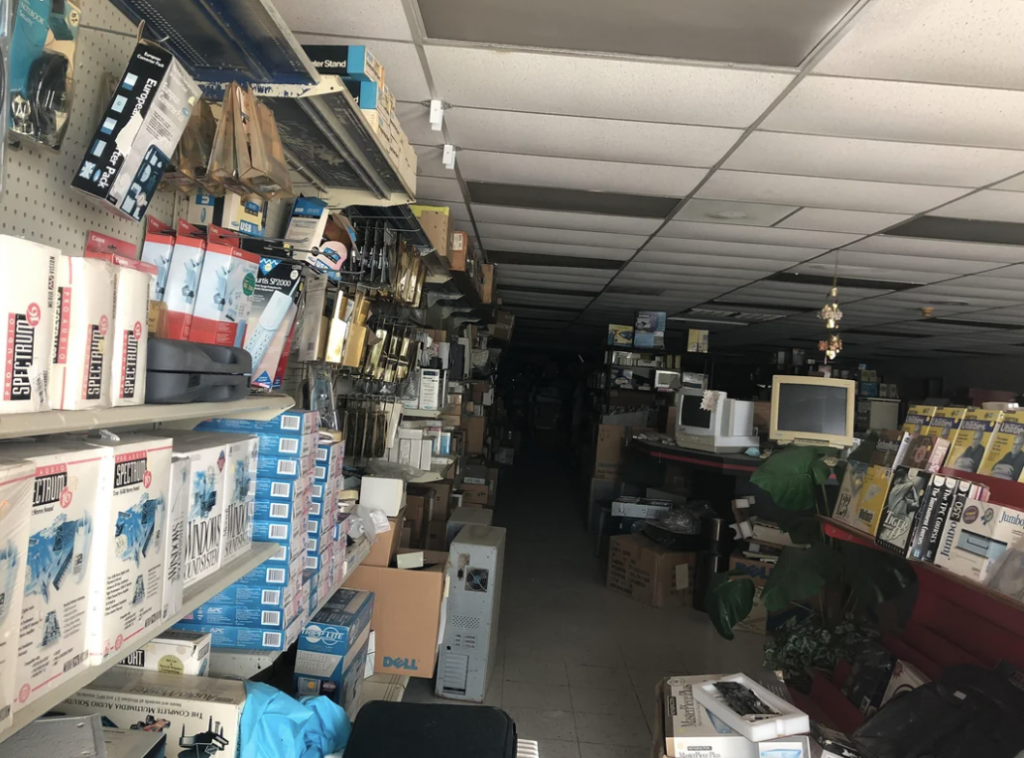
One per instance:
(363, 19)
(743, 249)
(447, 190)
(588, 138)
(561, 236)
(428, 162)
(584, 222)
(930, 248)
(832, 193)
(943, 41)
(404, 72)
(824, 219)
(550, 248)
(1012, 185)
(557, 283)
(883, 262)
(989, 205)
(827, 267)
(572, 173)
(873, 160)
(543, 272)
(758, 235)
(570, 200)
(725, 212)
(723, 261)
(415, 121)
(575, 85)
(902, 112)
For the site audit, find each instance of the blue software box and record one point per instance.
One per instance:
(274, 488)
(364, 93)
(236, 615)
(239, 637)
(254, 596)
(272, 510)
(291, 423)
(287, 467)
(272, 574)
(329, 643)
(273, 531)
(344, 689)
(284, 445)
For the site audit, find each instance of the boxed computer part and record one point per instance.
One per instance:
(284, 467)
(178, 501)
(205, 528)
(224, 295)
(976, 535)
(240, 493)
(751, 709)
(240, 637)
(28, 277)
(244, 215)
(691, 731)
(16, 480)
(353, 61)
(254, 617)
(286, 445)
(295, 423)
(271, 317)
(199, 715)
(173, 652)
(182, 282)
(128, 536)
(157, 250)
(283, 489)
(62, 562)
(126, 157)
(273, 575)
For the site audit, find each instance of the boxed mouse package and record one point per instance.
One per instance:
(28, 283)
(16, 479)
(126, 157)
(204, 528)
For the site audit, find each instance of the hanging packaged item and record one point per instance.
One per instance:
(126, 158)
(223, 168)
(279, 182)
(225, 290)
(183, 276)
(274, 307)
(42, 69)
(16, 478)
(192, 156)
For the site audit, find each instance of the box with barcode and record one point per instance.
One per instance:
(273, 510)
(173, 652)
(274, 574)
(274, 488)
(329, 643)
(240, 615)
(330, 459)
(253, 596)
(283, 467)
(291, 423)
(287, 445)
(241, 637)
(287, 552)
(275, 531)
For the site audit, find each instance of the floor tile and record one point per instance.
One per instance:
(524, 669)
(558, 749)
(590, 750)
(603, 677)
(546, 696)
(629, 730)
(595, 700)
(539, 724)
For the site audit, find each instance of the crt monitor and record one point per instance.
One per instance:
(693, 420)
(813, 410)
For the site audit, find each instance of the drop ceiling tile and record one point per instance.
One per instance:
(415, 121)
(571, 173)
(1011, 185)
(562, 283)
(712, 261)
(902, 112)
(428, 162)
(551, 248)
(530, 298)
(562, 236)
(588, 138)
(509, 269)
(725, 212)
(943, 41)
(584, 86)
(447, 190)
(929, 248)
(584, 222)
(768, 236)
(874, 160)
(360, 19)
(823, 219)
(826, 268)
(400, 60)
(883, 262)
(833, 193)
(742, 249)
(987, 205)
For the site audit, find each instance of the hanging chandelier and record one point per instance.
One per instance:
(831, 315)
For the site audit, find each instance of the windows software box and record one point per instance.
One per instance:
(199, 715)
(239, 492)
(204, 529)
(178, 501)
(16, 480)
(28, 283)
(128, 537)
(62, 562)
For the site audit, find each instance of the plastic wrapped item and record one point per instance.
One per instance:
(223, 168)
(192, 156)
(276, 725)
(680, 520)
(279, 180)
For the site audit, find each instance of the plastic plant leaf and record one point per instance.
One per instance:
(791, 476)
(800, 574)
(729, 600)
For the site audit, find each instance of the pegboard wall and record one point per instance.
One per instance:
(38, 201)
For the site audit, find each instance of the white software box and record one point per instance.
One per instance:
(199, 715)
(430, 389)
(178, 500)
(183, 276)
(157, 249)
(173, 652)
(67, 491)
(691, 732)
(240, 489)
(27, 287)
(976, 534)
(207, 496)
(82, 320)
(16, 478)
(128, 537)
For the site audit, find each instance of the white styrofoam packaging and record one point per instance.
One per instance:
(128, 538)
(790, 721)
(130, 337)
(204, 529)
(178, 501)
(62, 562)
(173, 652)
(16, 478)
(28, 284)
(691, 731)
(200, 715)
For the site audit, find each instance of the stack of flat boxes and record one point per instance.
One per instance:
(325, 546)
(266, 609)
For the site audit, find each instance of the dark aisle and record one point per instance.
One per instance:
(579, 662)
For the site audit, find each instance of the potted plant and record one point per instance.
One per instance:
(840, 585)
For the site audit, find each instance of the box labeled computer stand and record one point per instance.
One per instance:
(204, 529)
(199, 715)
(225, 291)
(138, 132)
(62, 563)
(173, 652)
(16, 480)
(28, 283)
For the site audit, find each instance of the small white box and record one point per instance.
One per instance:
(790, 721)
(174, 546)
(244, 215)
(16, 479)
(27, 288)
(691, 732)
(173, 652)
(976, 535)
(183, 275)
(430, 389)
(200, 208)
(384, 494)
(207, 496)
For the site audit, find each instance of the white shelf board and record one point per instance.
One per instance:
(228, 663)
(199, 593)
(256, 407)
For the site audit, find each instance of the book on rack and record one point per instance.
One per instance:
(849, 492)
(867, 512)
(919, 451)
(919, 419)
(1004, 458)
(973, 440)
(946, 422)
(932, 522)
(939, 452)
(890, 448)
(908, 492)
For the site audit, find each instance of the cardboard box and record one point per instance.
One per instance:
(462, 252)
(759, 571)
(504, 323)
(649, 573)
(333, 645)
(382, 552)
(173, 652)
(487, 283)
(417, 510)
(475, 494)
(476, 431)
(406, 614)
(436, 533)
(608, 452)
(438, 227)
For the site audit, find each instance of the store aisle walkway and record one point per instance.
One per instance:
(578, 662)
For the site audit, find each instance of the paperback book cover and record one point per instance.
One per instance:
(919, 451)
(891, 447)
(868, 510)
(946, 422)
(934, 507)
(907, 495)
(1004, 458)
(937, 527)
(939, 452)
(849, 492)
(973, 439)
(919, 419)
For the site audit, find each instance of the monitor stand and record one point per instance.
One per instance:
(709, 444)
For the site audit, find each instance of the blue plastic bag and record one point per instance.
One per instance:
(276, 725)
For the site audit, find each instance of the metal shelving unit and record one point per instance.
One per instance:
(196, 595)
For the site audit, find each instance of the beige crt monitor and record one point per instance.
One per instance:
(811, 410)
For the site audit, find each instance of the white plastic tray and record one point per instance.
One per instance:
(790, 720)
